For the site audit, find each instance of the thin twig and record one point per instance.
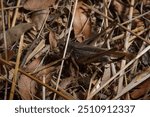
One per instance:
(5, 46)
(15, 14)
(13, 7)
(139, 16)
(43, 88)
(16, 69)
(4, 32)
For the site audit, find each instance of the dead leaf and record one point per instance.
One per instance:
(137, 22)
(52, 40)
(46, 75)
(120, 9)
(141, 90)
(66, 82)
(38, 4)
(26, 86)
(38, 18)
(45, 72)
(13, 34)
(81, 24)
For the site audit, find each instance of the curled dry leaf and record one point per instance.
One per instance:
(52, 40)
(81, 24)
(13, 34)
(38, 4)
(27, 87)
(38, 18)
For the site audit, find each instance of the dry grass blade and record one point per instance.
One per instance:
(15, 14)
(16, 69)
(4, 32)
(38, 48)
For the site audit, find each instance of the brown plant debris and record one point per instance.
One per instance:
(104, 46)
